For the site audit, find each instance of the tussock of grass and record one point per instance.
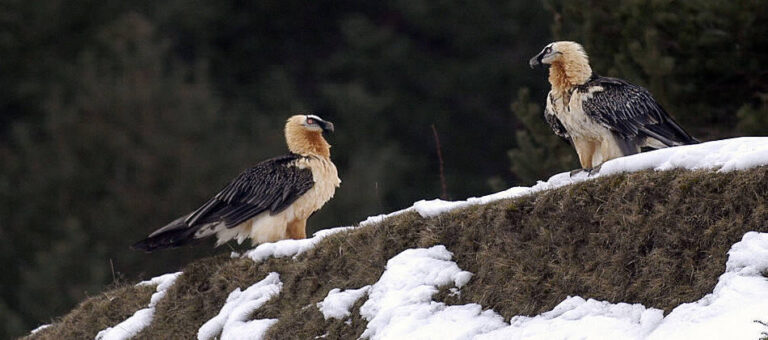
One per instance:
(656, 238)
(98, 312)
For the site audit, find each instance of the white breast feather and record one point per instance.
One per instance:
(573, 118)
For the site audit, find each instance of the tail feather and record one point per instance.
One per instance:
(171, 239)
(175, 234)
(669, 133)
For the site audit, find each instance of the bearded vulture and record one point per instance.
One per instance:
(268, 202)
(603, 118)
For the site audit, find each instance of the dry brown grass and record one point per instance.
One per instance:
(98, 312)
(656, 238)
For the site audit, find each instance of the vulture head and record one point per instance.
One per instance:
(304, 135)
(559, 51)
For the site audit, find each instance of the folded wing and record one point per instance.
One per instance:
(631, 112)
(272, 185)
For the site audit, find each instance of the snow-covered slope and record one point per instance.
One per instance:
(722, 156)
(400, 305)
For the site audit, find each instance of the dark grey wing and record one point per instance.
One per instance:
(630, 111)
(557, 127)
(271, 186)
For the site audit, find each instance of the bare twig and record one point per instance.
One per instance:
(440, 159)
(114, 277)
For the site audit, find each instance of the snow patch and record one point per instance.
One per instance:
(337, 304)
(576, 318)
(739, 298)
(286, 248)
(39, 328)
(378, 218)
(232, 321)
(143, 317)
(400, 304)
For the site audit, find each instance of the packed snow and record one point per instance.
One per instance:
(576, 318)
(286, 248)
(143, 317)
(39, 328)
(400, 305)
(232, 321)
(337, 304)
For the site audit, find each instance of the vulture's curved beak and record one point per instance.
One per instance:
(535, 61)
(327, 126)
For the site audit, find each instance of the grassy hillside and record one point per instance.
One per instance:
(656, 238)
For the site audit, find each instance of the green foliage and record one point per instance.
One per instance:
(121, 131)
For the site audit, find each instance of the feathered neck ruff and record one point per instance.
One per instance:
(306, 143)
(571, 68)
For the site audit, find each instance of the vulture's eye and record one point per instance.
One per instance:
(310, 121)
(548, 49)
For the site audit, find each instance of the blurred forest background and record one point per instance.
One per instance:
(118, 116)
